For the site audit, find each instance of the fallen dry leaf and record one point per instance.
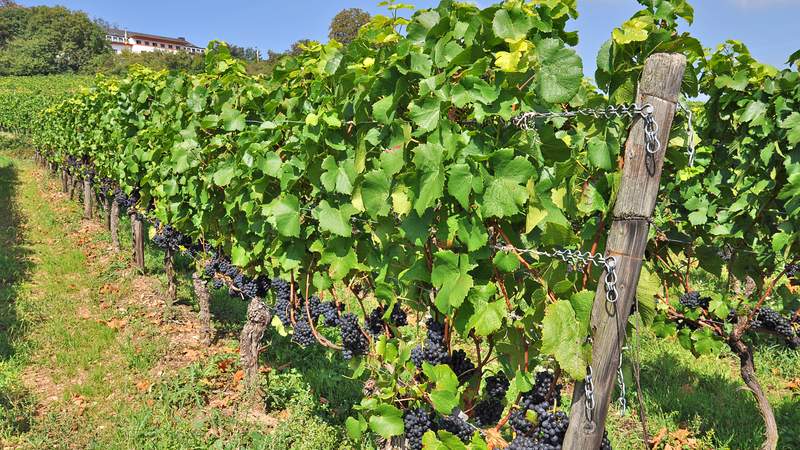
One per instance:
(238, 376)
(116, 324)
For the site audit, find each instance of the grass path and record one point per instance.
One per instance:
(87, 359)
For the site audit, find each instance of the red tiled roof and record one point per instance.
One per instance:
(154, 37)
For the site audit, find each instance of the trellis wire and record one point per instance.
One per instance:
(526, 120)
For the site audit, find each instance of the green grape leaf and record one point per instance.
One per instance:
(450, 275)
(792, 123)
(563, 340)
(426, 113)
(375, 193)
(387, 421)
(334, 220)
(511, 25)
(561, 71)
(232, 120)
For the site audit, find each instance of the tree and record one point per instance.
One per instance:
(249, 54)
(44, 40)
(345, 25)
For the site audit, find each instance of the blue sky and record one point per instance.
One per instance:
(768, 27)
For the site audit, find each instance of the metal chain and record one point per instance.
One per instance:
(588, 404)
(577, 258)
(526, 121)
(623, 402)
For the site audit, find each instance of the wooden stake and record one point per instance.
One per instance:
(114, 224)
(172, 284)
(71, 179)
(203, 300)
(660, 86)
(138, 241)
(107, 211)
(88, 198)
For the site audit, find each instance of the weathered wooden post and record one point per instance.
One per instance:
(72, 182)
(203, 300)
(172, 282)
(114, 223)
(64, 180)
(88, 197)
(107, 200)
(137, 226)
(659, 86)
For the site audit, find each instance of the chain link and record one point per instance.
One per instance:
(623, 401)
(578, 259)
(588, 404)
(526, 121)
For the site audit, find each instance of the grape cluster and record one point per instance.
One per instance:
(551, 428)
(167, 237)
(125, 202)
(353, 340)
(519, 423)
(496, 386)
(435, 348)
(241, 285)
(692, 300)
(398, 316)
(376, 324)
(792, 270)
(417, 422)
(106, 187)
(314, 304)
(769, 319)
(303, 335)
(458, 426)
(543, 395)
(522, 442)
(548, 434)
(487, 412)
(462, 366)
(283, 301)
(329, 313)
(540, 398)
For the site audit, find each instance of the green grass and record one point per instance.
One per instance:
(706, 396)
(113, 390)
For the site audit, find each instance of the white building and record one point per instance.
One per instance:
(142, 42)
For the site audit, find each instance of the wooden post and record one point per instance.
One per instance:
(137, 225)
(107, 210)
(71, 179)
(114, 223)
(172, 284)
(203, 299)
(64, 180)
(659, 86)
(88, 198)
(258, 317)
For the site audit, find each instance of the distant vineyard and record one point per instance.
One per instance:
(463, 174)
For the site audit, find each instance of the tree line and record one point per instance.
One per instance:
(44, 40)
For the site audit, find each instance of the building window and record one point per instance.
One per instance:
(139, 42)
(162, 45)
(170, 46)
